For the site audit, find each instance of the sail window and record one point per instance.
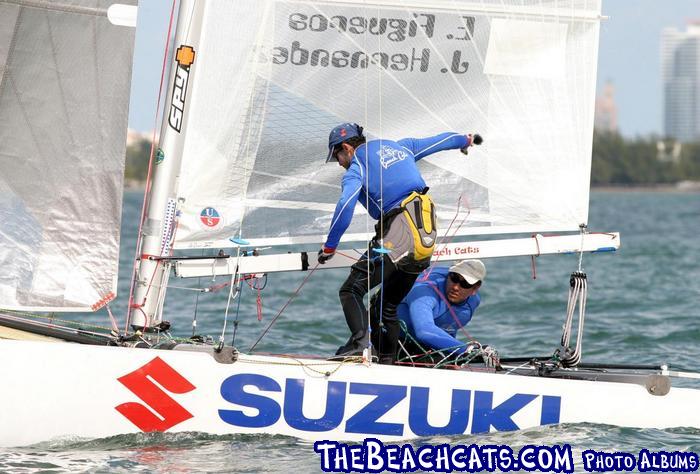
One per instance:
(527, 49)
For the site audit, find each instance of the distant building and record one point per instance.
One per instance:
(680, 75)
(606, 110)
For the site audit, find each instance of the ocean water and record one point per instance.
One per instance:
(643, 307)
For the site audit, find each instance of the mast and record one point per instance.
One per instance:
(160, 221)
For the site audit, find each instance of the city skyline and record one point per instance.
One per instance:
(680, 54)
(629, 59)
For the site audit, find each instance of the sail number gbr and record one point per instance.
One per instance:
(251, 391)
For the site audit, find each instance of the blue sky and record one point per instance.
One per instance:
(629, 57)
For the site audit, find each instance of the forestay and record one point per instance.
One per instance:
(65, 76)
(272, 78)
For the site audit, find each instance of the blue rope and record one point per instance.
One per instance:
(238, 307)
(381, 251)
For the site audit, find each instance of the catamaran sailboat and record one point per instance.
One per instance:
(253, 88)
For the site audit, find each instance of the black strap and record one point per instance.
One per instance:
(388, 216)
(419, 214)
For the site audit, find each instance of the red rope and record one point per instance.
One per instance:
(448, 239)
(451, 310)
(214, 288)
(351, 257)
(279, 313)
(251, 280)
(148, 175)
(258, 304)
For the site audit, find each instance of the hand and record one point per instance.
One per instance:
(325, 254)
(472, 346)
(474, 139)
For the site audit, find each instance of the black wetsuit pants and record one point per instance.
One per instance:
(384, 321)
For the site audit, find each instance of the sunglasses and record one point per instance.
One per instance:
(455, 278)
(336, 150)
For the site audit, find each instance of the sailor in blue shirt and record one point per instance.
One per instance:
(441, 301)
(383, 176)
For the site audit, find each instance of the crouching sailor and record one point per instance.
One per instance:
(442, 301)
(384, 177)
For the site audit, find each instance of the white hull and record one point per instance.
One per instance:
(69, 390)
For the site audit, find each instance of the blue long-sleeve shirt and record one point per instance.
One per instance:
(382, 174)
(427, 314)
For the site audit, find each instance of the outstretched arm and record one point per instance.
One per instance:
(422, 147)
(352, 184)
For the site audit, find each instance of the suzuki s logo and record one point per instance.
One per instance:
(160, 411)
(184, 58)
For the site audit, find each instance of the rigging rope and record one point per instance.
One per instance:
(382, 256)
(447, 357)
(196, 307)
(580, 254)
(113, 321)
(578, 294)
(279, 313)
(51, 319)
(228, 305)
(246, 172)
(306, 366)
(238, 309)
(533, 257)
(448, 238)
(451, 310)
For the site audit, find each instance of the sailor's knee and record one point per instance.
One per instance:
(389, 311)
(346, 289)
(353, 287)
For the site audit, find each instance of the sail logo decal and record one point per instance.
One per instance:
(160, 411)
(185, 58)
(261, 401)
(209, 217)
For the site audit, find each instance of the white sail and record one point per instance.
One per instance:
(65, 75)
(520, 73)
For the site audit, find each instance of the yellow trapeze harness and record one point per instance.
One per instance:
(409, 232)
(419, 211)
